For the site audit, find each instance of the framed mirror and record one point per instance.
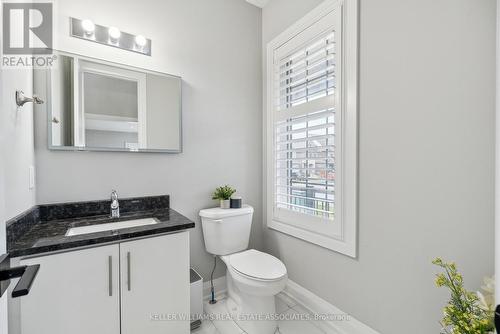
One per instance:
(95, 105)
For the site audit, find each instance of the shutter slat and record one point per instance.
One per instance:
(310, 149)
(309, 117)
(305, 139)
(305, 207)
(307, 198)
(322, 191)
(311, 128)
(297, 113)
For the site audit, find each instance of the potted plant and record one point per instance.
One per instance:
(223, 194)
(467, 312)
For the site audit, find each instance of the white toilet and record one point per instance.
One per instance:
(253, 278)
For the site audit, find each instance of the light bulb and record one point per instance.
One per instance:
(140, 41)
(88, 26)
(114, 33)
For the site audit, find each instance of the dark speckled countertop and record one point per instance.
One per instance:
(43, 231)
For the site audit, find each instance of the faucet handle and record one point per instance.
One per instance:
(115, 206)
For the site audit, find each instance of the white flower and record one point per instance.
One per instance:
(489, 285)
(486, 301)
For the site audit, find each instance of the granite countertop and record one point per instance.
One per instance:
(48, 235)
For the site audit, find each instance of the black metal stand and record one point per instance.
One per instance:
(212, 290)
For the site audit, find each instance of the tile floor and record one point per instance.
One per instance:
(284, 305)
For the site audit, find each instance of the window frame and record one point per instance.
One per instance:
(343, 236)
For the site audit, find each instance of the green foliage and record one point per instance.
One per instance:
(224, 192)
(463, 314)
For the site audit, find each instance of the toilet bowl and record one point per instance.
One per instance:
(253, 278)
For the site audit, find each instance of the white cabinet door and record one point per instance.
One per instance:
(74, 292)
(155, 285)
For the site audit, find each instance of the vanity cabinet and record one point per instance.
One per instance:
(128, 288)
(155, 285)
(74, 293)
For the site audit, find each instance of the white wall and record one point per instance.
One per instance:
(3, 241)
(427, 103)
(497, 163)
(215, 46)
(16, 155)
(17, 140)
(3, 299)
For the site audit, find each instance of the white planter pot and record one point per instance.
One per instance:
(225, 204)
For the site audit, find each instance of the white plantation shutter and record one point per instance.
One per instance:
(307, 74)
(311, 128)
(305, 88)
(305, 164)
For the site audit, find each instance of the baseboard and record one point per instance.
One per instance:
(317, 305)
(219, 287)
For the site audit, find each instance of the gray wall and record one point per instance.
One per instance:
(426, 159)
(215, 46)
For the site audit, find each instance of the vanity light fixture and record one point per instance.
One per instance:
(140, 41)
(111, 36)
(88, 27)
(114, 34)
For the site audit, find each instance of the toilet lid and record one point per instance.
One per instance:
(258, 265)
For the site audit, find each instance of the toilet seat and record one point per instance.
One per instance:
(257, 265)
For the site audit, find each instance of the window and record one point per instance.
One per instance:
(311, 128)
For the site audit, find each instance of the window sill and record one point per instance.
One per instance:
(324, 241)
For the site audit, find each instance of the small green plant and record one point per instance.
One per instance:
(463, 314)
(223, 193)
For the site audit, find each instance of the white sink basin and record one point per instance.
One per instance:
(110, 226)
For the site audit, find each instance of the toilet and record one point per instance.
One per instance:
(253, 277)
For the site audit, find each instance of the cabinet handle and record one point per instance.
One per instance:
(128, 271)
(110, 275)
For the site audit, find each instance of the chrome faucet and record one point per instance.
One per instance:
(115, 206)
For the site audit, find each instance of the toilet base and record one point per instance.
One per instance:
(253, 314)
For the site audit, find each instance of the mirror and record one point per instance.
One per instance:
(97, 105)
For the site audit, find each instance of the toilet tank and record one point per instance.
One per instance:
(226, 231)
